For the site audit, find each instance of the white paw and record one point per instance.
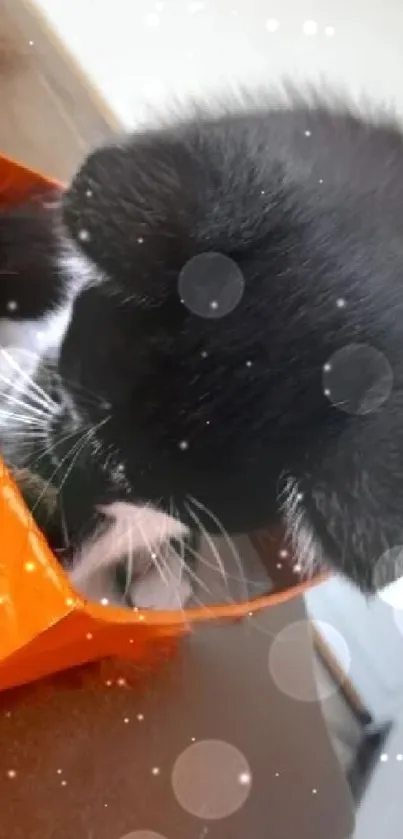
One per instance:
(166, 593)
(144, 534)
(100, 587)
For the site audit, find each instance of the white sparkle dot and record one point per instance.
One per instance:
(104, 601)
(327, 368)
(153, 555)
(283, 553)
(69, 601)
(11, 773)
(203, 354)
(193, 739)
(183, 445)
(126, 720)
(329, 31)
(310, 27)
(152, 19)
(272, 24)
(214, 305)
(300, 496)
(140, 240)
(308, 133)
(207, 422)
(141, 618)
(121, 682)
(340, 302)
(131, 641)
(244, 778)
(297, 568)
(249, 364)
(31, 43)
(314, 791)
(140, 717)
(89, 636)
(83, 235)
(30, 567)
(63, 783)
(326, 392)
(399, 758)
(277, 774)
(12, 306)
(155, 770)
(279, 565)
(250, 614)
(321, 180)
(384, 758)
(89, 193)
(108, 683)
(59, 771)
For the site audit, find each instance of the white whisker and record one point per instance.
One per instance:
(71, 453)
(30, 409)
(84, 440)
(26, 377)
(153, 553)
(213, 547)
(48, 484)
(20, 418)
(238, 561)
(129, 561)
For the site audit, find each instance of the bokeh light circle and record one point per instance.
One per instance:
(211, 285)
(288, 660)
(387, 577)
(211, 779)
(357, 379)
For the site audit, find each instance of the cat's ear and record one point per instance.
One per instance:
(32, 284)
(128, 210)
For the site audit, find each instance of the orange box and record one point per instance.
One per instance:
(45, 626)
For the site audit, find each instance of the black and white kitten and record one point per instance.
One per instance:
(218, 305)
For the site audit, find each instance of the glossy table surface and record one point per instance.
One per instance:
(212, 744)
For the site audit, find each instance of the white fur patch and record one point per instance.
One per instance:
(78, 268)
(141, 534)
(306, 548)
(35, 337)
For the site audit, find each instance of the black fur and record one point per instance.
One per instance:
(308, 201)
(29, 249)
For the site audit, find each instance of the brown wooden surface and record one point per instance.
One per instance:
(76, 761)
(49, 116)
